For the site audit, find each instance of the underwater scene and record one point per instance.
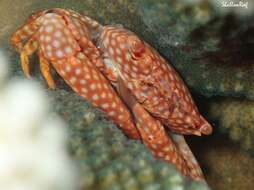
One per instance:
(126, 95)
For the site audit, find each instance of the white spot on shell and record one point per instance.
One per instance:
(81, 56)
(68, 68)
(68, 50)
(47, 38)
(62, 72)
(48, 47)
(110, 95)
(120, 117)
(119, 60)
(113, 105)
(95, 97)
(42, 37)
(56, 43)
(59, 53)
(49, 54)
(93, 86)
(84, 90)
(49, 28)
(73, 80)
(82, 81)
(103, 95)
(128, 56)
(87, 76)
(77, 71)
(105, 105)
(112, 113)
(58, 34)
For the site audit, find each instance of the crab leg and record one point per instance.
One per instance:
(29, 48)
(192, 164)
(155, 138)
(45, 69)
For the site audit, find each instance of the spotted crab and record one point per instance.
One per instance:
(119, 73)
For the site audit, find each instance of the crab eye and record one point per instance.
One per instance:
(137, 47)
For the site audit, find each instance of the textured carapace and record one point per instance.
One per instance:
(155, 84)
(62, 38)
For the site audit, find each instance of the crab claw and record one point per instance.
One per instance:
(205, 127)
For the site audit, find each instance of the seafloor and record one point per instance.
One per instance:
(212, 49)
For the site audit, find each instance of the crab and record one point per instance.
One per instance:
(122, 75)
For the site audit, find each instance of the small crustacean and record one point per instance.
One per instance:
(120, 74)
(154, 83)
(62, 39)
(159, 97)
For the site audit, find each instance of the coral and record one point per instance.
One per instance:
(228, 166)
(32, 145)
(236, 117)
(107, 159)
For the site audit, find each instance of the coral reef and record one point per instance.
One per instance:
(109, 160)
(228, 166)
(237, 118)
(32, 145)
(211, 47)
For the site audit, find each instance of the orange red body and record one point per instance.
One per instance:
(122, 75)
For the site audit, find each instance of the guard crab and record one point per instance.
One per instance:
(122, 75)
